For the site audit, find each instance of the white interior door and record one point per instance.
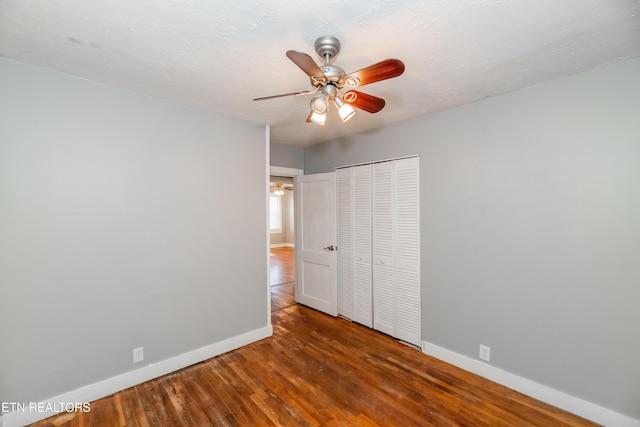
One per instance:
(316, 278)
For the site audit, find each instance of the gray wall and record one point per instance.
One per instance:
(530, 225)
(117, 230)
(286, 156)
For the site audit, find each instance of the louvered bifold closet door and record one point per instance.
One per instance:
(406, 196)
(344, 190)
(383, 249)
(362, 274)
(354, 243)
(379, 246)
(396, 249)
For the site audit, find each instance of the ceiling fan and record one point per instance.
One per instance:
(278, 188)
(331, 83)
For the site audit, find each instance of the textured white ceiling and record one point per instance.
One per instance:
(219, 55)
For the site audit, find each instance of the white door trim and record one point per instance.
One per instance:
(287, 172)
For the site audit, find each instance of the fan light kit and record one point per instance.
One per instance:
(332, 85)
(278, 189)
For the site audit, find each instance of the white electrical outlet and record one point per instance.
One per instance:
(138, 354)
(485, 352)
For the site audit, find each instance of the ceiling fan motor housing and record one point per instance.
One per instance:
(333, 73)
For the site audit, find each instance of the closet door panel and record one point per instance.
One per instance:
(362, 240)
(383, 233)
(407, 249)
(344, 189)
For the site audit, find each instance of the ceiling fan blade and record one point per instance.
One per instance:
(364, 101)
(309, 117)
(304, 92)
(383, 70)
(307, 64)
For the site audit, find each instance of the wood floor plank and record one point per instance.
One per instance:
(282, 265)
(282, 278)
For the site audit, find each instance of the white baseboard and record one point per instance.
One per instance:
(123, 381)
(282, 245)
(559, 399)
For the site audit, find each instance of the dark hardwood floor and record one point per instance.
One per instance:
(317, 370)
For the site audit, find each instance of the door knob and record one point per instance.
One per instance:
(330, 248)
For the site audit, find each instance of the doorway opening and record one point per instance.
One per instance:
(282, 242)
(282, 273)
